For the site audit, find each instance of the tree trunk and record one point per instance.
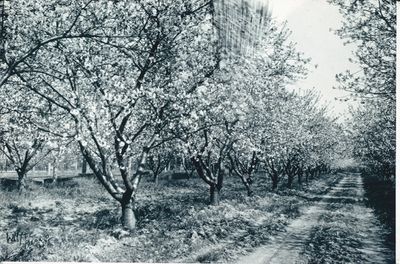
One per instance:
(247, 184)
(274, 179)
(249, 190)
(274, 184)
(21, 181)
(300, 179)
(155, 178)
(54, 173)
(128, 216)
(290, 181)
(84, 166)
(312, 174)
(214, 195)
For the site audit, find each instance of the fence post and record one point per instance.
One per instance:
(49, 169)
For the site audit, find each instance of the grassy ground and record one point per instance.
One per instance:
(380, 194)
(78, 221)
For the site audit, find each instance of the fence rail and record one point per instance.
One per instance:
(40, 174)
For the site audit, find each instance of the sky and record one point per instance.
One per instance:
(310, 22)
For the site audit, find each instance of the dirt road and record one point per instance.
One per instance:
(342, 207)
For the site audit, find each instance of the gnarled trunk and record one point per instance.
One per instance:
(307, 173)
(214, 195)
(247, 183)
(249, 190)
(128, 218)
(213, 179)
(290, 180)
(21, 184)
(155, 179)
(274, 184)
(274, 179)
(300, 178)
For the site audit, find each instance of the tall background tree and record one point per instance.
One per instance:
(371, 27)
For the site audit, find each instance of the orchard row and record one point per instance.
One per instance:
(117, 80)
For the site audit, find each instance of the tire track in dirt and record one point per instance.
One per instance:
(287, 247)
